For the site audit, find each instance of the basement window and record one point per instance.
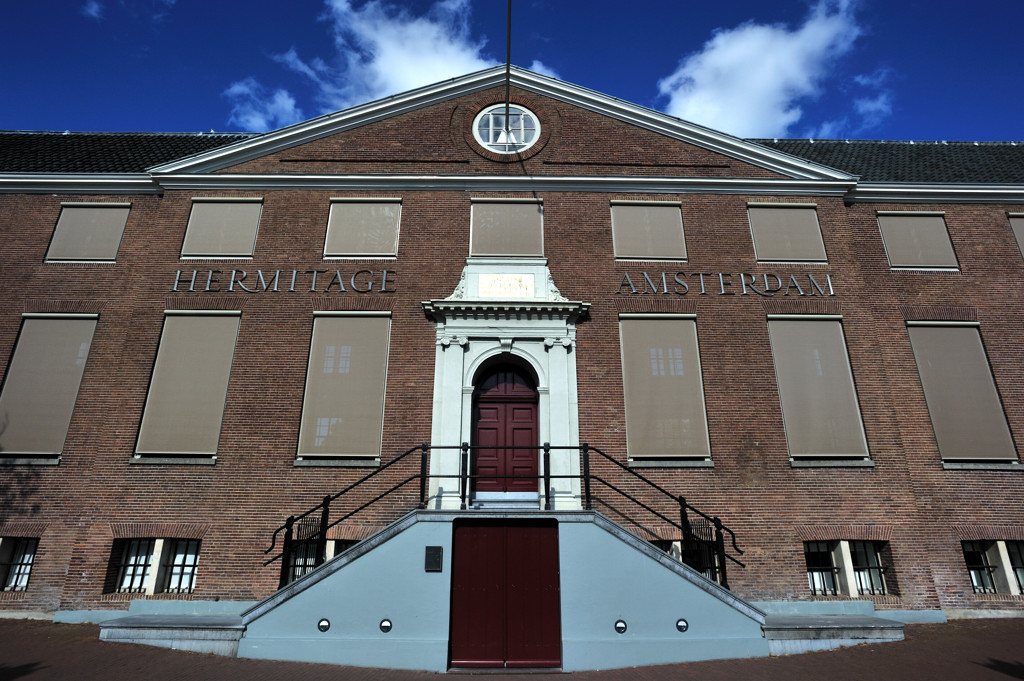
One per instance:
(149, 566)
(303, 556)
(17, 555)
(846, 568)
(995, 566)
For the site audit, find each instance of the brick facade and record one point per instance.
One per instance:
(99, 492)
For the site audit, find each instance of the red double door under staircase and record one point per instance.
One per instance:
(506, 608)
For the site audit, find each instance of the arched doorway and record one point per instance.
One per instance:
(505, 430)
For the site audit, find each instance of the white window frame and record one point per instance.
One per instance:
(845, 574)
(1000, 567)
(18, 556)
(155, 577)
(496, 145)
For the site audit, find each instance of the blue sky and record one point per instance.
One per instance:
(866, 69)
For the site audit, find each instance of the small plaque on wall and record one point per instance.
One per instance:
(433, 562)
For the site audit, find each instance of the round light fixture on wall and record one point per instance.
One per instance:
(620, 626)
(516, 133)
(385, 625)
(324, 624)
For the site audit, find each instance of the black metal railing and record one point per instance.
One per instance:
(701, 537)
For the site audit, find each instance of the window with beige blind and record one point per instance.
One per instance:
(42, 382)
(1017, 226)
(343, 407)
(917, 240)
(664, 391)
(963, 402)
(786, 233)
(820, 409)
(507, 228)
(222, 228)
(363, 228)
(185, 405)
(648, 229)
(88, 231)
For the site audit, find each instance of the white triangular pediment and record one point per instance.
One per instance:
(330, 124)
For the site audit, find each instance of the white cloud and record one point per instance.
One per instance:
(380, 50)
(383, 50)
(749, 80)
(874, 110)
(540, 67)
(92, 9)
(256, 109)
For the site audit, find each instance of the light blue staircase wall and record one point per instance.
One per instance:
(609, 575)
(355, 592)
(606, 574)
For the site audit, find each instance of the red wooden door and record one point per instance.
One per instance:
(505, 416)
(506, 608)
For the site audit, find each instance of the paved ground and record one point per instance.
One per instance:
(965, 650)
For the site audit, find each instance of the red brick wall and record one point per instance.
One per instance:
(254, 485)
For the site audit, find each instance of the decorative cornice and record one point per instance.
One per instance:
(897, 192)
(623, 184)
(78, 183)
(440, 310)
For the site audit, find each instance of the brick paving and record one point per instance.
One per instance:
(36, 650)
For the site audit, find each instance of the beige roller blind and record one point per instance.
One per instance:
(819, 403)
(917, 241)
(220, 229)
(507, 229)
(358, 228)
(343, 408)
(786, 234)
(42, 384)
(88, 233)
(648, 231)
(664, 392)
(1017, 225)
(186, 398)
(962, 399)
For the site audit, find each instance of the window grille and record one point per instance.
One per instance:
(867, 567)
(979, 567)
(1016, 551)
(18, 566)
(821, 570)
(135, 565)
(181, 556)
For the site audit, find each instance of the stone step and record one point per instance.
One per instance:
(789, 634)
(217, 634)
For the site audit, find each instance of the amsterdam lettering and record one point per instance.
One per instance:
(727, 284)
(313, 281)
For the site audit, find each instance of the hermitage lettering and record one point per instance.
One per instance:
(727, 284)
(313, 281)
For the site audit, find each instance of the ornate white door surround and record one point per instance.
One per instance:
(510, 307)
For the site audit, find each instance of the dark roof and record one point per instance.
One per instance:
(872, 160)
(102, 152)
(883, 161)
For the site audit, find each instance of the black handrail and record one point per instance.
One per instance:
(697, 548)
